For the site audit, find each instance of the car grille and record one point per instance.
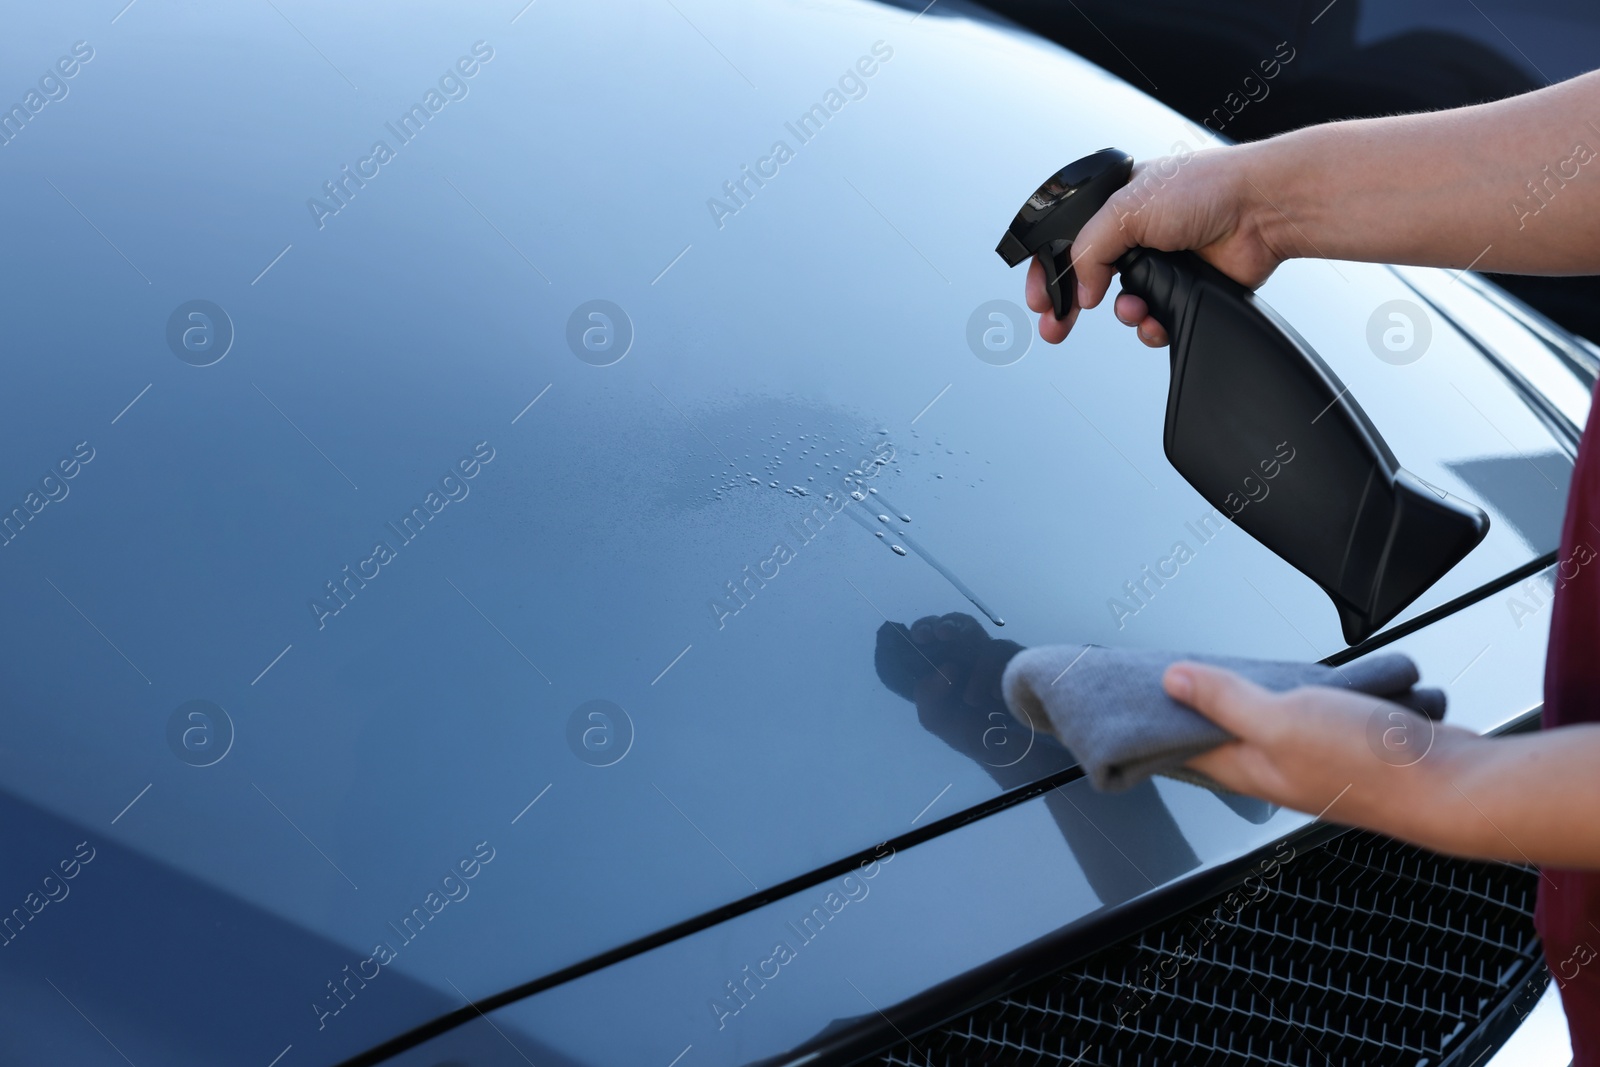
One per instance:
(1362, 951)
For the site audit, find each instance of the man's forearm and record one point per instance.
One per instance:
(1512, 185)
(1528, 798)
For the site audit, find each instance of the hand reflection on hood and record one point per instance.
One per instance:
(949, 667)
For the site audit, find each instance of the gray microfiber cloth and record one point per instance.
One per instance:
(1108, 708)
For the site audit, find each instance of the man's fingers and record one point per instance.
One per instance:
(1098, 245)
(1055, 330)
(1222, 764)
(1152, 333)
(1051, 329)
(1133, 311)
(1038, 296)
(1234, 703)
(1093, 281)
(1130, 310)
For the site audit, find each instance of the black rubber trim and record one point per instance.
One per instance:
(435, 1027)
(449, 1021)
(1449, 607)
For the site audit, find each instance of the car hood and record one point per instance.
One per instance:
(483, 518)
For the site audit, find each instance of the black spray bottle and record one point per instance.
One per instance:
(1244, 387)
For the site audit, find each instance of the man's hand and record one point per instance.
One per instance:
(1202, 201)
(1314, 749)
(1442, 189)
(1309, 746)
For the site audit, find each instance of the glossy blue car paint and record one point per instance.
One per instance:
(396, 510)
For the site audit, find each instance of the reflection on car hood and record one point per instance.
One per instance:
(376, 509)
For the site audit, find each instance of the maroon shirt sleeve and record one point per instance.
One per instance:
(1568, 911)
